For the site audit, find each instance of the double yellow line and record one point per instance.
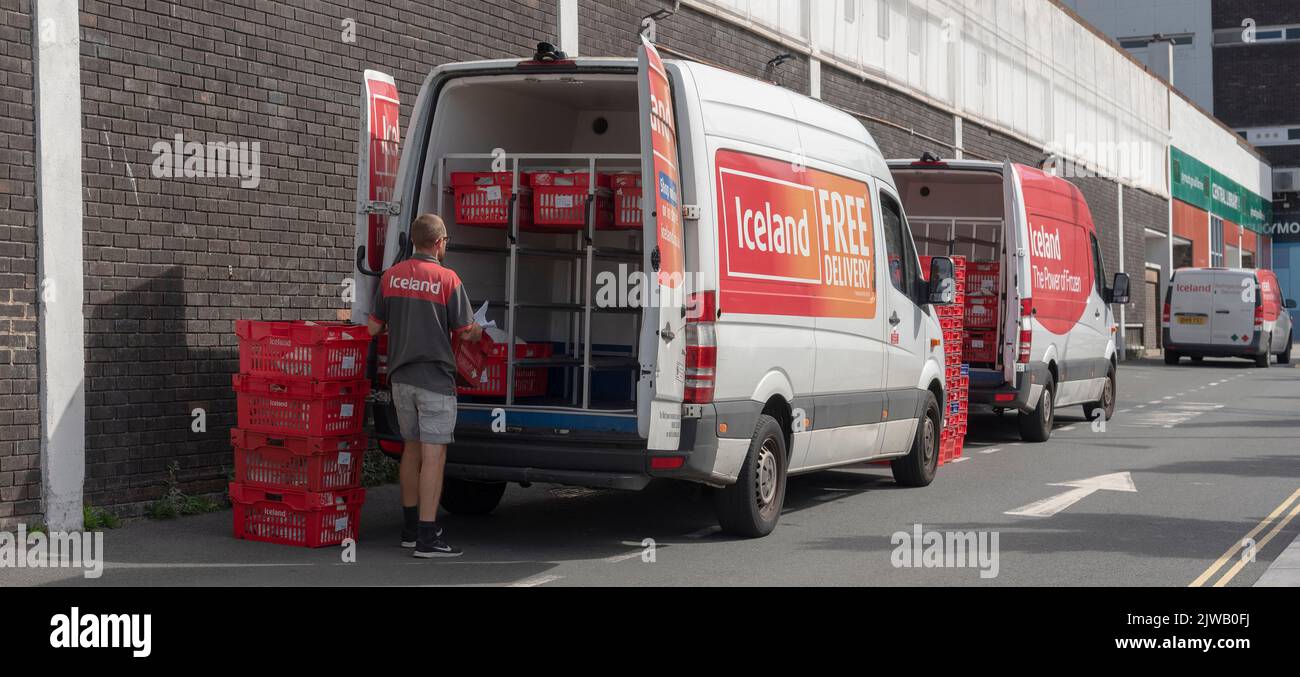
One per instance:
(1240, 545)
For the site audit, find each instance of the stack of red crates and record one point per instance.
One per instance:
(554, 201)
(956, 372)
(301, 394)
(982, 304)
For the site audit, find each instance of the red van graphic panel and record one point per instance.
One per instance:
(1060, 250)
(793, 240)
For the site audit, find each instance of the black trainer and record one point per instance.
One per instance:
(429, 543)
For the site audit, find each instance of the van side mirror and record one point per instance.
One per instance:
(1290, 304)
(1119, 291)
(943, 281)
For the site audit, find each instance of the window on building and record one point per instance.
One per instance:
(1216, 241)
(915, 28)
(1247, 259)
(882, 18)
(1182, 253)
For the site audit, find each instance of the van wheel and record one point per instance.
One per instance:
(1285, 357)
(752, 506)
(466, 497)
(1171, 357)
(1198, 358)
(917, 468)
(1036, 426)
(1106, 404)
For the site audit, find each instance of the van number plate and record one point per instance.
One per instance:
(1193, 319)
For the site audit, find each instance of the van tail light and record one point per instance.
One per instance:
(1259, 317)
(701, 348)
(1166, 314)
(1026, 330)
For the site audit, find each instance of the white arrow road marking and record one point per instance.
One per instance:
(1120, 481)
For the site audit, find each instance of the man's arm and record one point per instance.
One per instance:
(375, 326)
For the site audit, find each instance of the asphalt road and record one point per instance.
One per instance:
(1211, 450)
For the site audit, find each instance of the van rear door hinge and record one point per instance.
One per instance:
(691, 212)
(380, 207)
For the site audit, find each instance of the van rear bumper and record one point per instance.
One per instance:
(590, 459)
(1255, 347)
(1021, 395)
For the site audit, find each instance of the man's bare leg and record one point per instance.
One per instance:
(409, 473)
(433, 461)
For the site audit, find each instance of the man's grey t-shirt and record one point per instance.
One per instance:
(422, 302)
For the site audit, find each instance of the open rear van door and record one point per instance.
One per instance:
(1015, 267)
(1236, 294)
(663, 336)
(378, 154)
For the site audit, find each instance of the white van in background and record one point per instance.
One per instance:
(1226, 312)
(1036, 293)
(788, 328)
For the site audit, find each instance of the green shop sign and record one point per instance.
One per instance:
(1200, 185)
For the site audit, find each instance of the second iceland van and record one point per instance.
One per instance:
(1040, 332)
(1226, 312)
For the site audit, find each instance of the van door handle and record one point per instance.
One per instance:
(1222, 312)
(1097, 313)
(667, 333)
(893, 318)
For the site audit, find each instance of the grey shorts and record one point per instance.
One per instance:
(424, 415)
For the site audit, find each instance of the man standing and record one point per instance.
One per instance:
(423, 304)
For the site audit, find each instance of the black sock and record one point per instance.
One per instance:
(428, 532)
(410, 517)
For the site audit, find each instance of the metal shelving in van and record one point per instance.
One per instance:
(583, 256)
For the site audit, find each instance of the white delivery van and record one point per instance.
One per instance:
(1226, 312)
(757, 312)
(1040, 333)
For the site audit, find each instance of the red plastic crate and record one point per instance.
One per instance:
(982, 346)
(946, 447)
(952, 359)
(314, 408)
(958, 445)
(950, 311)
(302, 518)
(627, 201)
(298, 462)
(483, 199)
(304, 351)
(981, 312)
(950, 323)
(984, 277)
(529, 381)
(560, 200)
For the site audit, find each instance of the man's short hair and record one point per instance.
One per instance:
(426, 230)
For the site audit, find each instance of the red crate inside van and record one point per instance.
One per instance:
(529, 381)
(483, 199)
(560, 200)
(303, 518)
(981, 312)
(981, 346)
(982, 278)
(304, 351)
(627, 200)
(298, 462)
(314, 408)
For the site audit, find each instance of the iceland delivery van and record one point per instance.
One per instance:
(686, 270)
(1226, 312)
(1040, 333)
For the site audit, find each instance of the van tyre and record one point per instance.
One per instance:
(1285, 357)
(1036, 425)
(1106, 405)
(1171, 357)
(917, 468)
(752, 505)
(1198, 359)
(466, 497)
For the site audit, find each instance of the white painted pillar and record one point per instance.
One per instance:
(956, 137)
(814, 77)
(62, 343)
(1122, 340)
(568, 18)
